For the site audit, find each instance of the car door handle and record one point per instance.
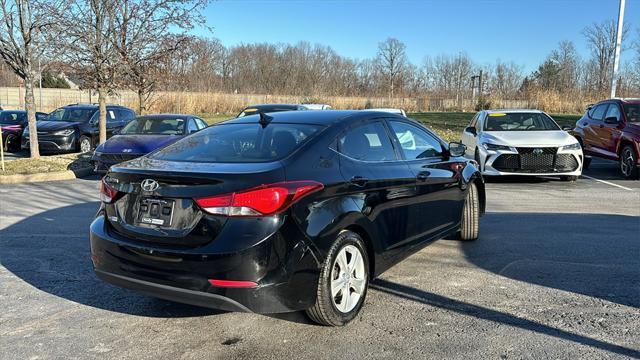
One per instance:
(423, 176)
(358, 180)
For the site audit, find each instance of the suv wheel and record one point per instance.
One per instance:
(343, 282)
(84, 144)
(628, 161)
(12, 143)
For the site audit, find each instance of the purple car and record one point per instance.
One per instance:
(143, 135)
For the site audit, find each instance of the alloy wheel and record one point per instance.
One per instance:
(627, 162)
(85, 145)
(348, 279)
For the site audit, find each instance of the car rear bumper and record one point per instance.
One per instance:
(286, 275)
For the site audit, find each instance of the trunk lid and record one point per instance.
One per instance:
(156, 197)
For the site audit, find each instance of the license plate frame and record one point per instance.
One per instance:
(154, 211)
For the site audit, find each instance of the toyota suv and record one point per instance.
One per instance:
(610, 129)
(75, 127)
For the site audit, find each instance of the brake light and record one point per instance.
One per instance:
(107, 193)
(263, 200)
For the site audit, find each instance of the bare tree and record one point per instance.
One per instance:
(601, 39)
(89, 49)
(144, 32)
(23, 28)
(391, 61)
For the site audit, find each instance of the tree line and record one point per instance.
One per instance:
(146, 46)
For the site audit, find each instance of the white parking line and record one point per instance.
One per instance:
(608, 183)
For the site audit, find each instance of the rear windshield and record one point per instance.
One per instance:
(238, 143)
(154, 126)
(633, 112)
(519, 122)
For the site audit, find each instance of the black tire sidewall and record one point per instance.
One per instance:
(633, 173)
(345, 238)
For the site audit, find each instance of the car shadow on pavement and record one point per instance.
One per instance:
(590, 254)
(484, 313)
(57, 261)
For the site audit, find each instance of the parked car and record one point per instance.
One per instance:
(317, 106)
(400, 112)
(269, 108)
(283, 212)
(522, 142)
(75, 127)
(610, 130)
(143, 135)
(13, 123)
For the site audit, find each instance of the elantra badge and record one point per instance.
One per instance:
(149, 185)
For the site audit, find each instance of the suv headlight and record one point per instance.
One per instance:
(575, 146)
(65, 132)
(495, 147)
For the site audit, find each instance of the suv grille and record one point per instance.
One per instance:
(117, 158)
(531, 160)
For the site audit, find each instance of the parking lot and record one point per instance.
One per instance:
(555, 273)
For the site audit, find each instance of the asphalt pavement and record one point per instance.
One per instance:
(555, 274)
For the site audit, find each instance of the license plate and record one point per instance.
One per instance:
(155, 211)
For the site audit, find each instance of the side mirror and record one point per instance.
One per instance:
(471, 130)
(567, 128)
(611, 120)
(457, 149)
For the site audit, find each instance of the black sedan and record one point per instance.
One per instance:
(283, 212)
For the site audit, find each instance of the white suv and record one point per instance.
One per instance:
(522, 142)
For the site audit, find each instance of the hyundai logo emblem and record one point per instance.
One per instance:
(149, 185)
(537, 151)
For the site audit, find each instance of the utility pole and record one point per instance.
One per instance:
(616, 59)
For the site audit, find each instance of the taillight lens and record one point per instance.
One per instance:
(263, 200)
(107, 193)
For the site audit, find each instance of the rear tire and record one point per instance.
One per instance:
(628, 163)
(326, 310)
(568, 178)
(12, 144)
(470, 224)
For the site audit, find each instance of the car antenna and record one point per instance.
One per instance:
(265, 119)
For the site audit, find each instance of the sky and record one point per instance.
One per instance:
(522, 31)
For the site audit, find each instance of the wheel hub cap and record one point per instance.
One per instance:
(348, 279)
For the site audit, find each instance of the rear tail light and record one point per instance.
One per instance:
(107, 193)
(263, 200)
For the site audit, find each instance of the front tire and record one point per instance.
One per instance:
(84, 144)
(470, 224)
(628, 161)
(343, 282)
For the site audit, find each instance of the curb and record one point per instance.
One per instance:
(52, 176)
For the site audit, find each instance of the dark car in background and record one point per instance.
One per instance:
(13, 123)
(143, 135)
(75, 127)
(269, 108)
(283, 212)
(610, 130)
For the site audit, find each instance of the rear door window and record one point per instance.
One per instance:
(368, 142)
(239, 143)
